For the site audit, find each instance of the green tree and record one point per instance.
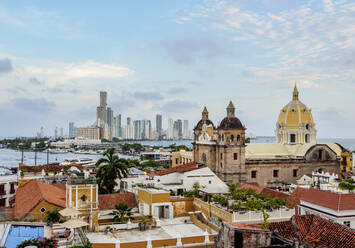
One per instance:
(52, 216)
(122, 213)
(110, 167)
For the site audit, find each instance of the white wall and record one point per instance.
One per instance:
(330, 214)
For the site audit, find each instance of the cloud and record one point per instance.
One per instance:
(178, 106)
(37, 105)
(188, 50)
(35, 81)
(5, 65)
(63, 73)
(177, 90)
(148, 95)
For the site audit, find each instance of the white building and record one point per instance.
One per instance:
(170, 128)
(8, 186)
(90, 133)
(128, 132)
(77, 141)
(336, 207)
(178, 179)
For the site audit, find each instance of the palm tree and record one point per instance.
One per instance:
(110, 167)
(122, 213)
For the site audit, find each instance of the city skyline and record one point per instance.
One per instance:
(175, 59)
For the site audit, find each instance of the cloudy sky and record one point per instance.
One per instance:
(174, 57)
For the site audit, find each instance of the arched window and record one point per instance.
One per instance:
(306, 138)
(307, 126)
(238, 139)
(232, 138)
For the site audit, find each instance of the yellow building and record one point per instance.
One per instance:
(346, 162)
(181, 157)
(83, 195)
(295, 124)
(155, 202)
(35, 199)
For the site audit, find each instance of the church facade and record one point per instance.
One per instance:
(224, 151)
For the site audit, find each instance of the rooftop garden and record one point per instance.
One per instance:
(248, 199)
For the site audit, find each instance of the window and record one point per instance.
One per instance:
(295, 172)
(221, 165)
(209, 182)
(293, 110)
(276, 173)
(221, 155)
(2, 189)
(12, 188)
(232, 138)
(43, 210)
(253, 174)
(3, 202)
(204, 158)
(320, 154)
(293, 138)
(235, 156)
(238, 138)
(307, 138)
(176, 161)
(347, 223)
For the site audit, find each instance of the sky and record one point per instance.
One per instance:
(175, 57)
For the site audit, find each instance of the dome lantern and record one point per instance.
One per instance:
(205, 114)
(295, 94)
(230, 109)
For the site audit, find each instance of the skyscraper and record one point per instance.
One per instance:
(56, 132)
(116, 129)
(170, 128)
(129, 121)
(61, 132)
(186, 129)
(101, 115)
(71, 130)
(179, 127)
(109, 119)
(119, 125)
(158, 124)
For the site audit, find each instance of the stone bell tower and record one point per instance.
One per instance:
(230, 150)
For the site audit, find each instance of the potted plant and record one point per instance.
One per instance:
(143, 224)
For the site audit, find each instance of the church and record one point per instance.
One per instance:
(296, 152)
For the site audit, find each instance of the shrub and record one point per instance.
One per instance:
(39, 242)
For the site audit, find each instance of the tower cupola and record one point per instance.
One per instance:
(230, 110)
(205, 114)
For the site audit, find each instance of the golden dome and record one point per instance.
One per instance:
(295, 113)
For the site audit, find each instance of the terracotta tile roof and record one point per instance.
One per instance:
(295, 196)
(32, 193)
(329, 199)
(315, 231)
(179, 169)
(110, 200)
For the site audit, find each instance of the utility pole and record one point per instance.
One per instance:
(35, 156)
